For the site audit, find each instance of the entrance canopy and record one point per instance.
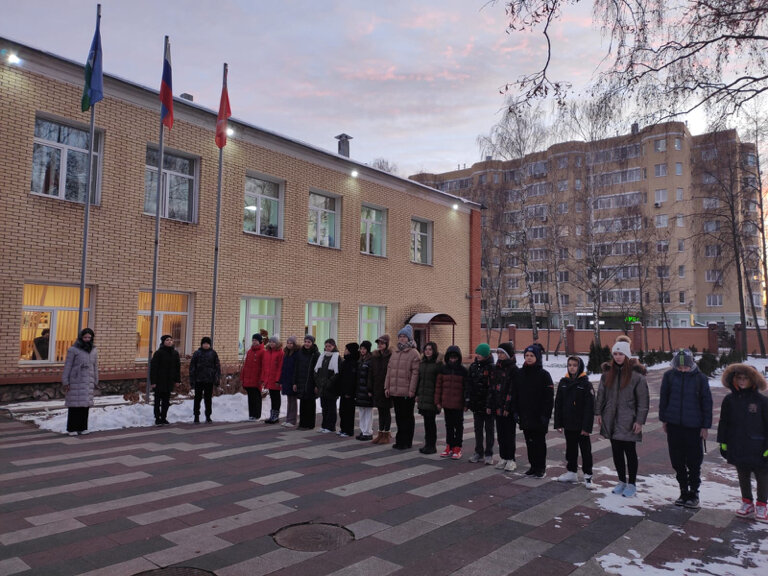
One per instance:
(425, 320)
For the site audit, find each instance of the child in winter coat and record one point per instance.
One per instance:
(575, 415)
(449, 396)
(364, 392)
(621, 408)
(534, 399)
(286, 381)
(425, 394)
(250, 376)
(685, 409)
(500, 404)
(475, 398)
(347, 386)
(326, 377)
(304, 382)
(271, 366)
(743, 435)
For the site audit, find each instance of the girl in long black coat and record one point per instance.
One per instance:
(165, 373)
(535, 395)
(304, 382)
(347, 385)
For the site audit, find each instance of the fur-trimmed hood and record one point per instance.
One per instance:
(758, 382)
(632, 362)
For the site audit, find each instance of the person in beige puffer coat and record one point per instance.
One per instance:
(400, 386)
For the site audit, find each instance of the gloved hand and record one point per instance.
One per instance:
(724, 451)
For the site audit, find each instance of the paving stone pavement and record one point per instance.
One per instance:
(122, 502)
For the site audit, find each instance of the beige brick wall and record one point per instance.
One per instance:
(42, 236)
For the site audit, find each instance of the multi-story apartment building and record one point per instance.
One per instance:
(640, 227)
(311, 241)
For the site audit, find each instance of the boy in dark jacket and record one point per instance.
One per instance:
(534, 399)
(575, 416)
(500, 406)
(475, 398)
(165, 373)
(449, 396)
(204, 372)
(685, 408)
(743, 435)
(304, 382)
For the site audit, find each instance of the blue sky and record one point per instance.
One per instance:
(414, 82)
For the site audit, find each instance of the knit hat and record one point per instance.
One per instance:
(508, 349)
(206, 340)
(483, 350)
(310, 338)
(623, 347)
(165, 337)
(406, 331)
(257, 337)
(291, 339)
(683, 358)
(366, 344)
(353, 347)
(535, 350)
(383, 339)
(274, 340)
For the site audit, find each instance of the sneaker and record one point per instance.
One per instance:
(164, 421)
(84, 432)
(588, 482)
(252, 418)
(71, 433)
(208, 420)
(681, 500)
(288, 425)
(158, 422)
(197, 420)
(428, 450)
(511, 466)
(400, 447)
(530, 472)
(344, 435)
(324, 431)
(692, 501)
(500, 464)
(761, 512)
(489, 460)
(365, 437)
(629, 491)
(619, 488)
(456, 453)
(746, 509)
(569, 477)
(540, 474)
(447, 452)
(475, 458)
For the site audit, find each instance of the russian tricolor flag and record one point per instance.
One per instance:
(166, 90)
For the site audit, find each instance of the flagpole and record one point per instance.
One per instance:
(86, 224)
(153, 310)
(218, 226)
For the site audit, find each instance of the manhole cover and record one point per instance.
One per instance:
(313, 537)
(176, 571)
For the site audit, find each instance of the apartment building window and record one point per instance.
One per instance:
(562, 208)
(662, 221)
(662, 271)
(715, 276)
(53, 308)
(541, 298)
(171, 317)
(710, 203)
(257, 314)
(562, 185)
(421, 241)
(660, 145)
(679, 194)
(577, 184)
(538, 232)
(681, 271)
(678, 168)
(562, 253)
(660, 170)
(372, 322)
(496, 178)
(751, 159)
(60, 159)
(565, 299)
(711, 226)
(664, 297)
(681, 245)
(481, 179)
(681, 297)
(680, 220)
(178, 187)
(714, 300)
(678, 144)
(563, 275)
(660, 196)
(323, 224)
(662, 246)
(373, 231)
(321, 320)
(708, 178)
(713, 250)
(263, 207)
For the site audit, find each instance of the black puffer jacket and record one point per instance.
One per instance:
(685, 399)
(377, 374)
(364, 389)
(478, 384)
(743, 426)
(204, 368)
(503, 387)
(348, 370)
(534, 398)
(304, 372)
(165, 369)
(575, 403)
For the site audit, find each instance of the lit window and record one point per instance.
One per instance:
(177, 192)
(263, 207)
(421, 241)
(257, 314)
(60, 159)
(55, 309)
(322, 227)
(321, 319)
(373, 230)
(171, 317)
(372, 322)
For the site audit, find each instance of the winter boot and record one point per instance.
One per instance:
(386, 438)
(274, 417)
(378, 438)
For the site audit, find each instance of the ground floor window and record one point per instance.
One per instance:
(372, 322)
(321, 320)
(257, 314)
(49, 321)
(171, 317)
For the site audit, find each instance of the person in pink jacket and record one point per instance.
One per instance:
(250, 377)
(270, 376)
(400, 386)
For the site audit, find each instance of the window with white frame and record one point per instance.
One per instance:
(257, 314)
(757, 300)
(662, 271)
(660, 170)
(714, 299)
(662, 221)
(52, 309)
(664, 297)
(660, 196)
(713, 250)
(681, 297)
(678, 168)
(263, 210)
(679, 194)
(562, 207)
(421, 241)
(60, 160)
(372, 322)
(171, 317)
(680, 220)
(178, 187)
(577, 183)
(565, 299)
(323, 224)
(711, 226)
(562, 275)
(662, 246)
(562, 185)
(660, 145)
(751, 159)
(540, 297)
(373, 231)
(710, 203)
(715, 276)
(681, 245)
(562, 163)
(681, 271)
(678, 144)
(321, 320)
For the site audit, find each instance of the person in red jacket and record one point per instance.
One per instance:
(270, 376)
(250, 377)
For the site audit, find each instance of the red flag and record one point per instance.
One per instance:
(224, 113)
(166, 89)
